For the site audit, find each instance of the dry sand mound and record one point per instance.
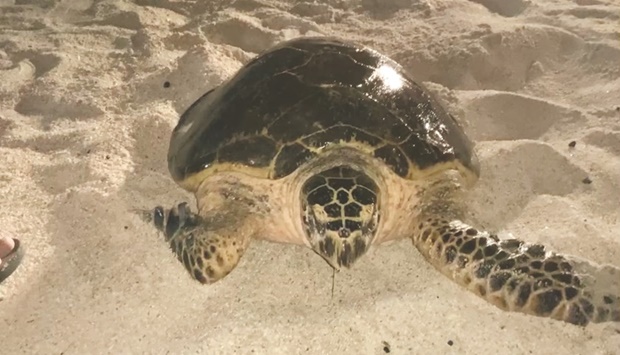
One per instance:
(90, 90)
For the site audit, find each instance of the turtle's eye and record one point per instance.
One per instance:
(311, 223)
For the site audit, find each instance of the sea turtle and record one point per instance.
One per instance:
(329, 144)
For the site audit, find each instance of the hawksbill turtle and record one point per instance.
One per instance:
(330, 144)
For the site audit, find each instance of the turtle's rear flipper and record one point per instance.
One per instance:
(207, 253)
(520, 277)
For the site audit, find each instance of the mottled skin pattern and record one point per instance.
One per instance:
(513, 275)
(340, 214)
(331, 145)
(207, 253)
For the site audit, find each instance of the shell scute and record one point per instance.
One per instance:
(289, 103)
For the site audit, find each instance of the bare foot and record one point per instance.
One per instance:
(6, 246)
(11, 254)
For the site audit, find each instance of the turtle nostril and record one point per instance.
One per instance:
(344, 232)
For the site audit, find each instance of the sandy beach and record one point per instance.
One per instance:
(90, 91)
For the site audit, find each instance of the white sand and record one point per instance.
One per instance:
(84, 128)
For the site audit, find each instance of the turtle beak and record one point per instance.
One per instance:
(340, 247)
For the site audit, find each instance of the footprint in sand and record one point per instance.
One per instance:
(185, 8)
(242, 31)
(518, 165)
(317, 12)
(260, 30)
(150, 175)
(150, 147)
(508, 116)
(5, 128)
(93, 240)
(593, 12)
(110, 14)
(51, 107)
(506, 60)
(557, 176)
(20, 18)
(190, 76)
(289, 25)
(604, 139)
(54, 178)
(42, 62)
(20, 67)
(45, 141)
(389, 7)
(507, 8)
(14, 76)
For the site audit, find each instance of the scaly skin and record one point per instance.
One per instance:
(208, 250)
(510, 274)
(520, 277)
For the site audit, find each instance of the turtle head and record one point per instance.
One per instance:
(340, 214)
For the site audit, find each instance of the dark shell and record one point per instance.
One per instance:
(312, 92)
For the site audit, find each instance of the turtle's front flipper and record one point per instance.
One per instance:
(521, 277)
(208, 250)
